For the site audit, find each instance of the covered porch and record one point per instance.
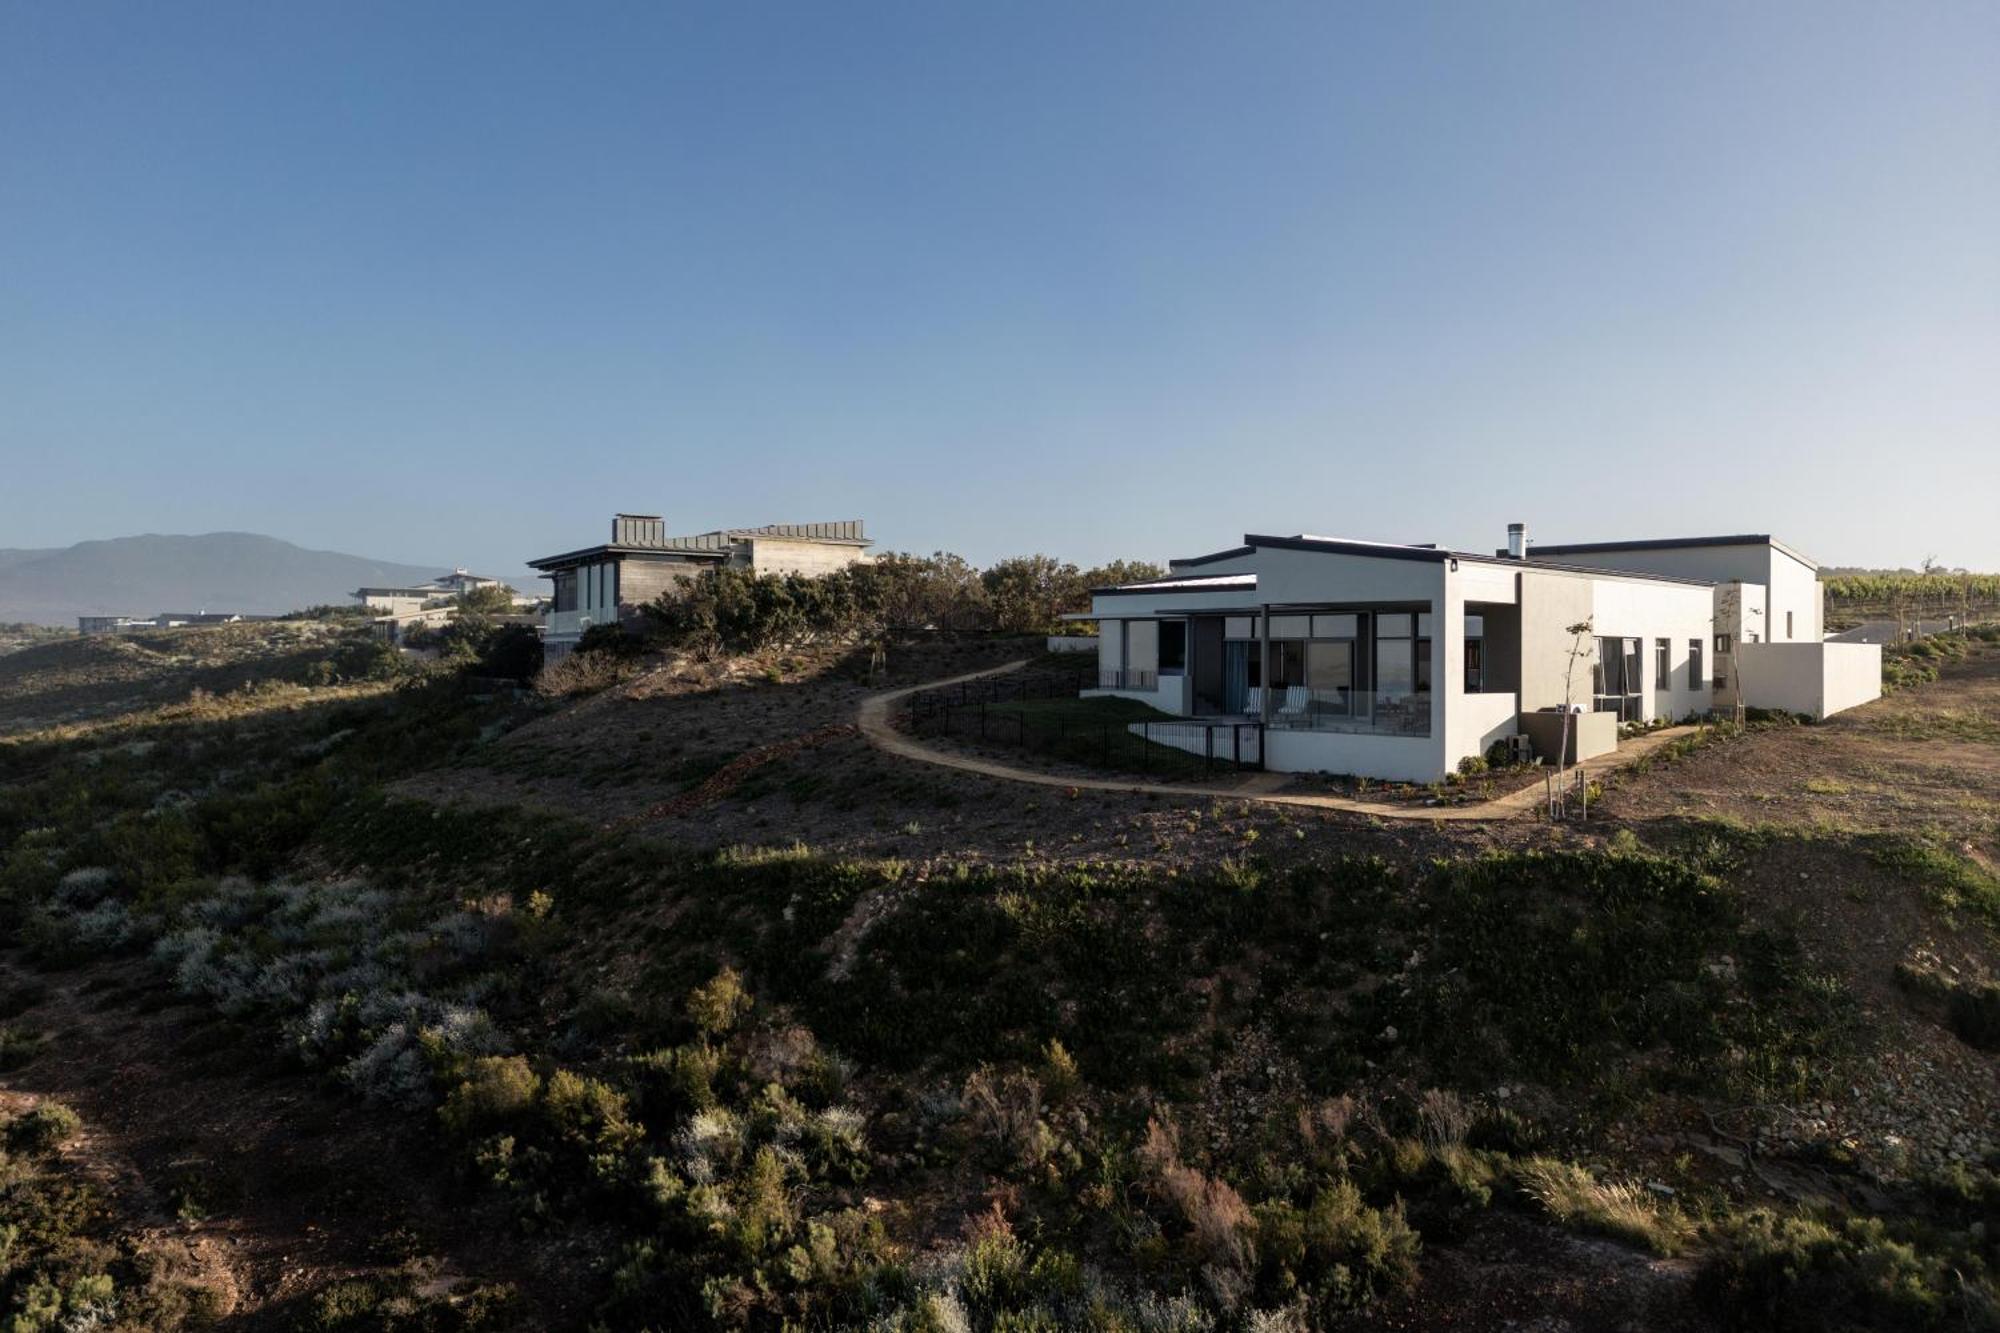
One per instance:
(1371, 669)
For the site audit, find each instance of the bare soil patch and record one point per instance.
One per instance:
(1902, 762)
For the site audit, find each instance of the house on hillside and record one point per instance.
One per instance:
(1399, 661)
(434, 592)
(606, 584)
(430, 604)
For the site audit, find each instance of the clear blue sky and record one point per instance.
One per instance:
(454, 282)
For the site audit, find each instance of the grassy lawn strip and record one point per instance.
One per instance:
(1091, 733)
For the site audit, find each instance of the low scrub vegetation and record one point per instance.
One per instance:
(66, 1262)
(769, 1088)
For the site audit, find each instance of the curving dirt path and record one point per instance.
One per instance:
(873, 720)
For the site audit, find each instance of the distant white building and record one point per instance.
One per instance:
(164, 620)
(435, 592)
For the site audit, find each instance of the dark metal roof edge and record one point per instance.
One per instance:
(1435, 555)
(581, 554)
(1233, 553)
(1427, 554)
(1675, 543)
(1129, 590)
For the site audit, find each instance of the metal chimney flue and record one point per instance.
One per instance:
(1517, 541)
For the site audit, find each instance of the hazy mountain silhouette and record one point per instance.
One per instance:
(216, 571)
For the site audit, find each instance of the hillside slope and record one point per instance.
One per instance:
(217, 571)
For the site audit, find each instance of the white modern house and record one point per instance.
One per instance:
(1398, 661)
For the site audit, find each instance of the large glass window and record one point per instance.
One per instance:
(1330, 675)
(1663, 668)
(1395, 668)
(1288, 663)
(1173, 646)
(1696, 680)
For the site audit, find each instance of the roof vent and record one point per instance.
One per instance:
(1517, 541)
(638, 530)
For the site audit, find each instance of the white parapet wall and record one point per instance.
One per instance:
(1476, 721)
(1389, 758)
(1817, 679)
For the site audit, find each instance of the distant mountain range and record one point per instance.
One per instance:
(216, 571)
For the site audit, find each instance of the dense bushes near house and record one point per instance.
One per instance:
(737, 611)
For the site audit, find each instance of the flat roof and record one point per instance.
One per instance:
(1233, 553)
(1670, 544)
(621, 550)
(1439, 555)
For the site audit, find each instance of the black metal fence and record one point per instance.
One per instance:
(1000, 689)
(978, 711)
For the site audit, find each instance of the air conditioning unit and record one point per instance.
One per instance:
(1520, 750)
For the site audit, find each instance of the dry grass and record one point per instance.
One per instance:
(1221, 1223)
(1576, 1199)
(584, 673)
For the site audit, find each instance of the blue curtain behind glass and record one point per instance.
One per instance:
(1235, 675)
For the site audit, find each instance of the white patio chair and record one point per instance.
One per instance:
(1253, 701)
(1297, 699)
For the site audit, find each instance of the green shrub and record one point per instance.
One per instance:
(42, 1129)
(17, 1047)
(715, 1007)
(1796, 1274)
(496, 1090)
(1335, 1250)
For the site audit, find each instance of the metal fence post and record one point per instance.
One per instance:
(1207, 749)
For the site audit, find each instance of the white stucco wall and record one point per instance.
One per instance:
(1389, 758)
(1316, 576)
(1110, 645)
(1676, 612)
(1852, 675)
(1788, 583)
(1818, 679)
(1793, 588)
